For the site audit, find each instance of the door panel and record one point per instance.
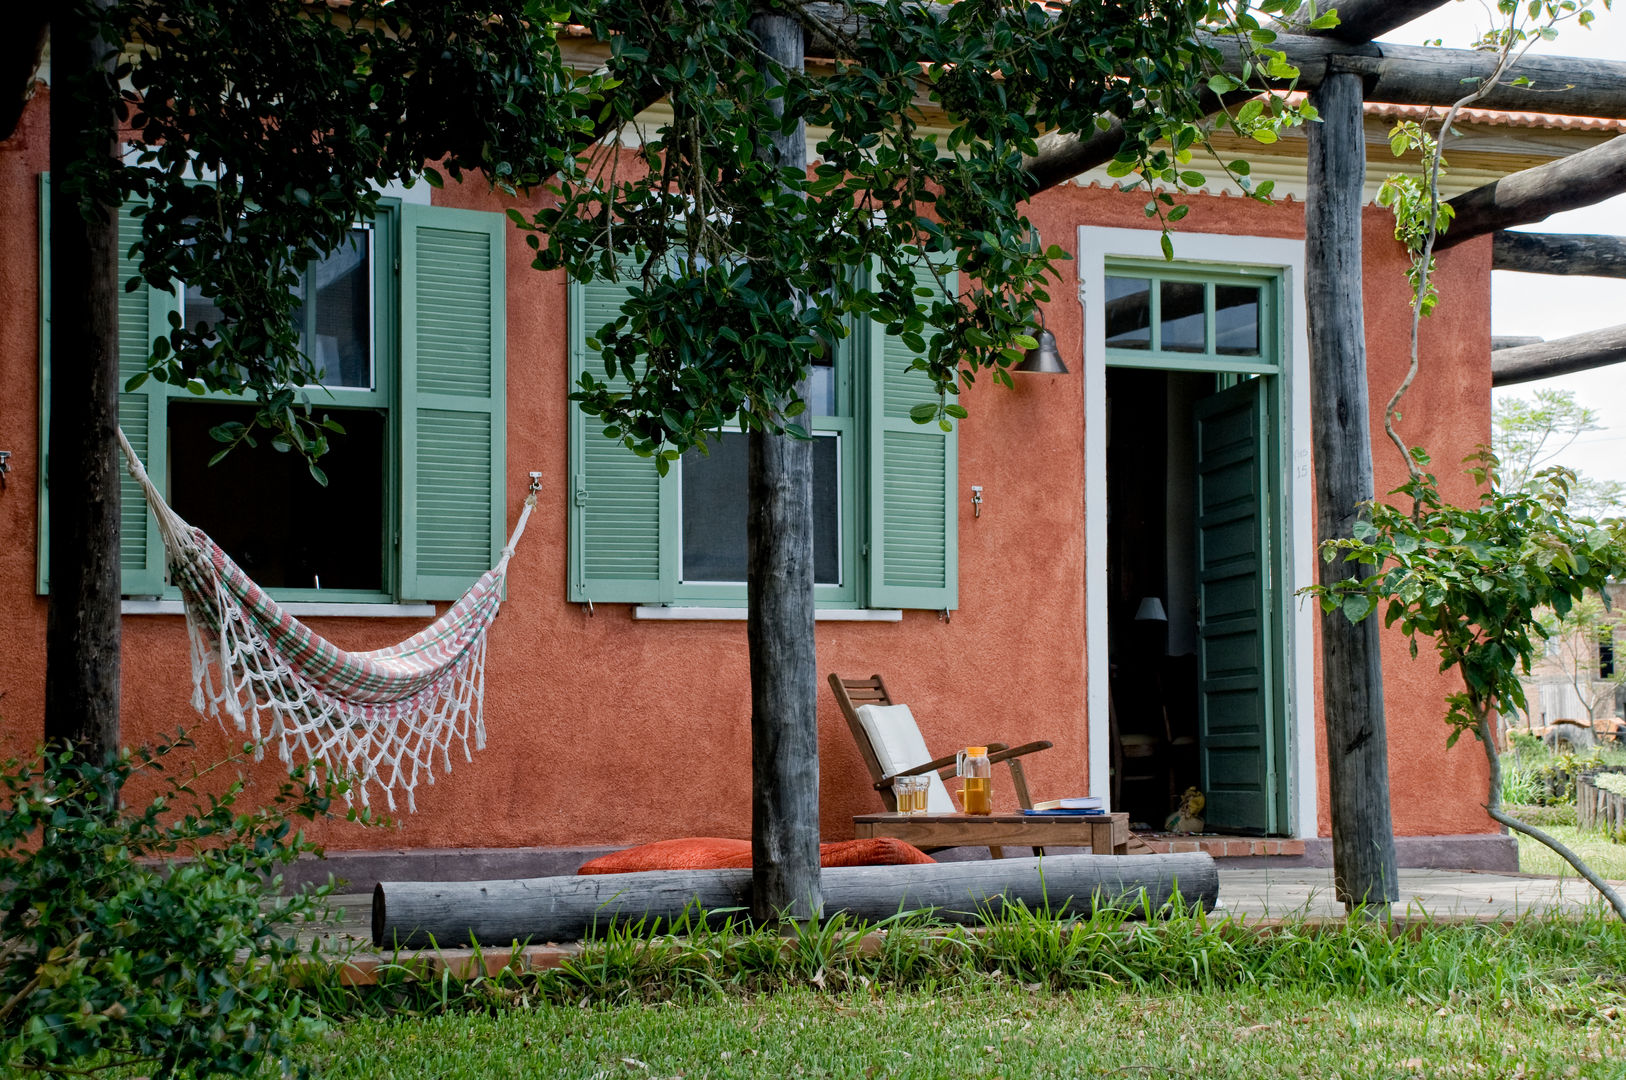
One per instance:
(1234, 693)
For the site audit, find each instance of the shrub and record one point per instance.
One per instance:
(151, 937)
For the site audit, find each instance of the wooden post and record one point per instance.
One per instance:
(1544, 359)
(417, 914)
(1591, 176)
(1559, 253)
(1363, 847)
(779, 621)
(82, 627)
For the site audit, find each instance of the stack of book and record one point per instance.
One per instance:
(1080, 805)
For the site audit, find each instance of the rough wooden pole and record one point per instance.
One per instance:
(82, 627)
(779, 621)
(1363, 848)
(1544, 359)
(1591, 176)
(1581, 254)
(417, 914)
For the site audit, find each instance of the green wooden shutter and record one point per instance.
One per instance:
(453, 379)
(913, 473)
(615, 500)
(143, 316)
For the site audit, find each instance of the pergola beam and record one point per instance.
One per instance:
(1561, 356)
(1583, 254)
(1395, 74)
(1582, 179)
(1363, 20)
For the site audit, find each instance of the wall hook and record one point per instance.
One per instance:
(536, 482)
(976, 500)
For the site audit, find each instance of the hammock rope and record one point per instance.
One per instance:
(381, 718)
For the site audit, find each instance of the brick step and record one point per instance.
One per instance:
(1219, 846)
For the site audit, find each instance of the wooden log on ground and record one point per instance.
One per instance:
(1582, 179)
(417, 914)
(1586, 254)
(1363, 847)
(1560, 356)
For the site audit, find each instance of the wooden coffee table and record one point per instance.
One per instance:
(1104, 834)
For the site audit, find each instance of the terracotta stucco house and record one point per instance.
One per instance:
(1170, 464)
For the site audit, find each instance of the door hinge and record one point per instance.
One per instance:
(863, 550)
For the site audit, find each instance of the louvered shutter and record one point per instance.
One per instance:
(914, 531)
(453, 339)
(143, 316)
(615, 504)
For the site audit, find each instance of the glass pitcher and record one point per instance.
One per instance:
(976, 774)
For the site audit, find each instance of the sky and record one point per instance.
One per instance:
(1546, 305)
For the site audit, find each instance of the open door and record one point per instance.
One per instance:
(1237, 756)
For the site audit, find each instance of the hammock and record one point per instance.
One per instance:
(380, 717)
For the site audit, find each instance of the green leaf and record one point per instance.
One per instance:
(924, 414)
(1357, 607)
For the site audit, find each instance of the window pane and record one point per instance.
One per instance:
(1129, 313)
(1182, 323)
(284, 529)
(714, 544)
(343, 349)
(342, 282)
(1236, 320)
(819, 388)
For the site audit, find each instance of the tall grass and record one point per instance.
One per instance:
(1572, 964)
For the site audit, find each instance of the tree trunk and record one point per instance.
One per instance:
(779, 626)
(1357, 746)
(82, 628)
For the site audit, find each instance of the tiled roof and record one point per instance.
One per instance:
(1497, 118)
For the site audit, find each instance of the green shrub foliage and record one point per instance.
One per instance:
(151, 936)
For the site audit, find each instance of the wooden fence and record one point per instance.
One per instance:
(1598, 808)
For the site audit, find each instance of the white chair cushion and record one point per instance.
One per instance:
(895, 738)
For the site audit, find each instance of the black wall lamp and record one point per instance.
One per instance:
(1045, 356)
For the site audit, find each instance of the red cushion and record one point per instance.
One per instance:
(717, 853)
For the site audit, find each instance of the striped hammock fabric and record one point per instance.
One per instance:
(382, 718)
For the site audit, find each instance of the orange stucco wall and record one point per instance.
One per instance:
(606, 730)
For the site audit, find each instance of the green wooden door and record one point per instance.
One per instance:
(1235, 654)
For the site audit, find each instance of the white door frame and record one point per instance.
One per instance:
(1095, 247)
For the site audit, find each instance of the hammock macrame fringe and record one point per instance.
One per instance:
(383, 718)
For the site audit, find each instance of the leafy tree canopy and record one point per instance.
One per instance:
(747, 270)
(1530, 434)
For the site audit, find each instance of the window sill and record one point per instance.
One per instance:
(299, 609)
(718, 614)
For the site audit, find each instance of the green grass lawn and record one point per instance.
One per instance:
(1024, 996)
(1608, 859)
(1000, 1031)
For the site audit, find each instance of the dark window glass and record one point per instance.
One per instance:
(342, 285)
(1129, 313)
(714, 511)
(284, 529)
(342, 319)
(1236, 320)
(1183, 323)
(819, 388)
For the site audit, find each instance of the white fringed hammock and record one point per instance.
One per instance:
(382, 717)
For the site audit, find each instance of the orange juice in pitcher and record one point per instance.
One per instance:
(976, 777)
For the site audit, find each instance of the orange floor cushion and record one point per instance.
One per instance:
(717, 853)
